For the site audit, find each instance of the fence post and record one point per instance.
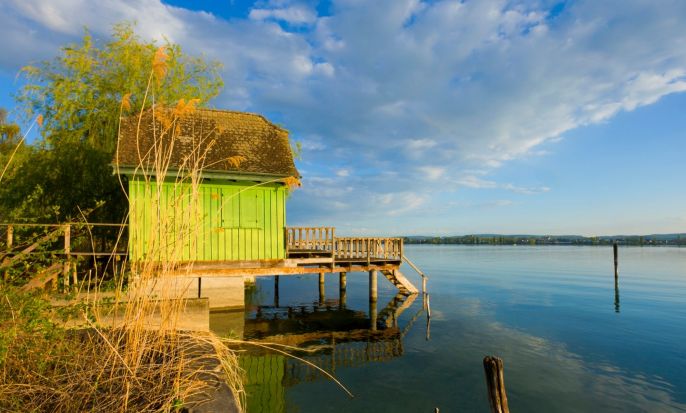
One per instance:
(10, 241)
(67, 252)
(10, 237)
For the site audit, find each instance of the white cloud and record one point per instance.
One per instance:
(420, 144)
(471, 181)
(297, 14)
(432, 173)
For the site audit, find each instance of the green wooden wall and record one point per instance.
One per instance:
(221, 221)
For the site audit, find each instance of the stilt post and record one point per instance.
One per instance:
(373, 292)
(322, 294)
(615, 253)
(342, 287)
(372, 314)
(276, 291)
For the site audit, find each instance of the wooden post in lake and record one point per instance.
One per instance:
(276, 291)
(616, 256)
(322, 294)
(497, 398)
(373, 294)
(372, 314)
(342, 289)
(616, 294)
(373, 291)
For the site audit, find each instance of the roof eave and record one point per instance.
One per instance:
(137, 171)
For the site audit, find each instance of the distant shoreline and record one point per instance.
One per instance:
(674, 240)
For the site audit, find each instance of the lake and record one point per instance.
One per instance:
(570, 341)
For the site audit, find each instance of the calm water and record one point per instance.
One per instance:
(570, 342)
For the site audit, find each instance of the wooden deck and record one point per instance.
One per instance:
(321, 242)
(308, 250)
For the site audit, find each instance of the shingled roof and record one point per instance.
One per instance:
(219, 134)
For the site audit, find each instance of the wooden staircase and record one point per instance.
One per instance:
(400, 281)
(48, 275)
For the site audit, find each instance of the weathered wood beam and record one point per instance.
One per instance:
(497, 397)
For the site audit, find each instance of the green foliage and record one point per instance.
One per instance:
(9, 132)
(80, 96)
(10, 148)
(26, 327)
(53, 185)
(80, 92)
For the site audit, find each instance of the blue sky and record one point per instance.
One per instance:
(435, 117)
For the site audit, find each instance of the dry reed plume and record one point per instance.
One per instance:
(131, 356)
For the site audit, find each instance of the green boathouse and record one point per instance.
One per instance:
(211, 185)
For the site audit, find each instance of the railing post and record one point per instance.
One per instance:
(10, 237)
(287, 238)
(333, 238)
(67, 253)
(10, 241)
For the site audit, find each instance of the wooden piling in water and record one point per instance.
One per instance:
(276, 291)
(373, 290)
(342, 289)
(322, 293)
(372, 314)
(497, 397)
(615, 252)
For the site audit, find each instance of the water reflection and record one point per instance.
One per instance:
(616, 294)
(328, 334)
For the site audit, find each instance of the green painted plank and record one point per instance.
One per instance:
(189, 225)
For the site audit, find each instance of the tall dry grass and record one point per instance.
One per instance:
(131, 354)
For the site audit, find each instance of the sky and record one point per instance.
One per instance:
(434, 117)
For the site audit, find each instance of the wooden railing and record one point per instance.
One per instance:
(316, 239)
(310, 238)
(369, 249)
(68, 241)
(90, 239)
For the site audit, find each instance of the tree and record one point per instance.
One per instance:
(80, 92)
(9, 132)
(11, 150)
(81, 95)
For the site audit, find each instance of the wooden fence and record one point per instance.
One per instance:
(310, 239)
(368, 249)
(68, 241)
(323, 240)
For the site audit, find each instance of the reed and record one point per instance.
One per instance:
(138, 359)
